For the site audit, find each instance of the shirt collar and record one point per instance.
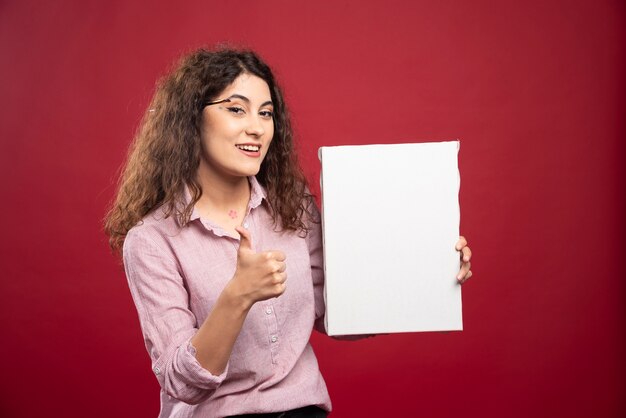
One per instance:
(257, 194)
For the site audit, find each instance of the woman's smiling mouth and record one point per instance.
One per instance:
(251, 150)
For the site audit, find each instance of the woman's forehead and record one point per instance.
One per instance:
(249, 86)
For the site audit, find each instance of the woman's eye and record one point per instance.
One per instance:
(267, 113)
(236, 110)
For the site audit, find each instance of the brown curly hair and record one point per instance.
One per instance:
(166, 151)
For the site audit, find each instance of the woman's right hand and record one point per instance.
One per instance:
(259, 276)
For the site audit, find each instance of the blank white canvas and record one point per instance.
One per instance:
(390, 218)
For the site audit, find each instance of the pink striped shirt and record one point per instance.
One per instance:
(175, 276)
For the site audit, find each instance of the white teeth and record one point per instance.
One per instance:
(252, 148)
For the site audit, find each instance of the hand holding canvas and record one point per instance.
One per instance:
(466, 255)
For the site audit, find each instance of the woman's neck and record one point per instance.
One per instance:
(220, 193)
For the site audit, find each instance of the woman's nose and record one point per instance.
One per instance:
(255, 126)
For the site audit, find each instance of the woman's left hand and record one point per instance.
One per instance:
(466, 255)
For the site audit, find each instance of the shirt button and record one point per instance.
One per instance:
(268, 311)
(245, 225)
(157, 370)
(274, 338)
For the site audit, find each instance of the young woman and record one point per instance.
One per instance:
(222, 245)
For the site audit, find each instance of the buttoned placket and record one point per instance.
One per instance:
(269, 309)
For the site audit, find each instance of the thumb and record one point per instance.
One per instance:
(245, 241)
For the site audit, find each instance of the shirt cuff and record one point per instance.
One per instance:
(205, 378)
(183, 369)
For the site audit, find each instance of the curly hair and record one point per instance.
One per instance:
(165, 153)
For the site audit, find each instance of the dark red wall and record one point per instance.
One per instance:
(535, 90)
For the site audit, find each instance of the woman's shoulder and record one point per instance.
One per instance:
(154, 227)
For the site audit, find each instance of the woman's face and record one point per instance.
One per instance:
(236, 134)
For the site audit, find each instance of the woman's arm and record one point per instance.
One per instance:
(258, 277)
(191, 363)
(316, 257)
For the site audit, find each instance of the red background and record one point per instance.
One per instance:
(535, 90)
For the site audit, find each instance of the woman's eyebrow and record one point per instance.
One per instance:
(245, 99)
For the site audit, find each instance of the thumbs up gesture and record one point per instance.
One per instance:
(259, 276)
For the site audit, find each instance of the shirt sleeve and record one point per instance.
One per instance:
(314, 242)
(166, 321)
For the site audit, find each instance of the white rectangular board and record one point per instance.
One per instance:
(390, 219)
